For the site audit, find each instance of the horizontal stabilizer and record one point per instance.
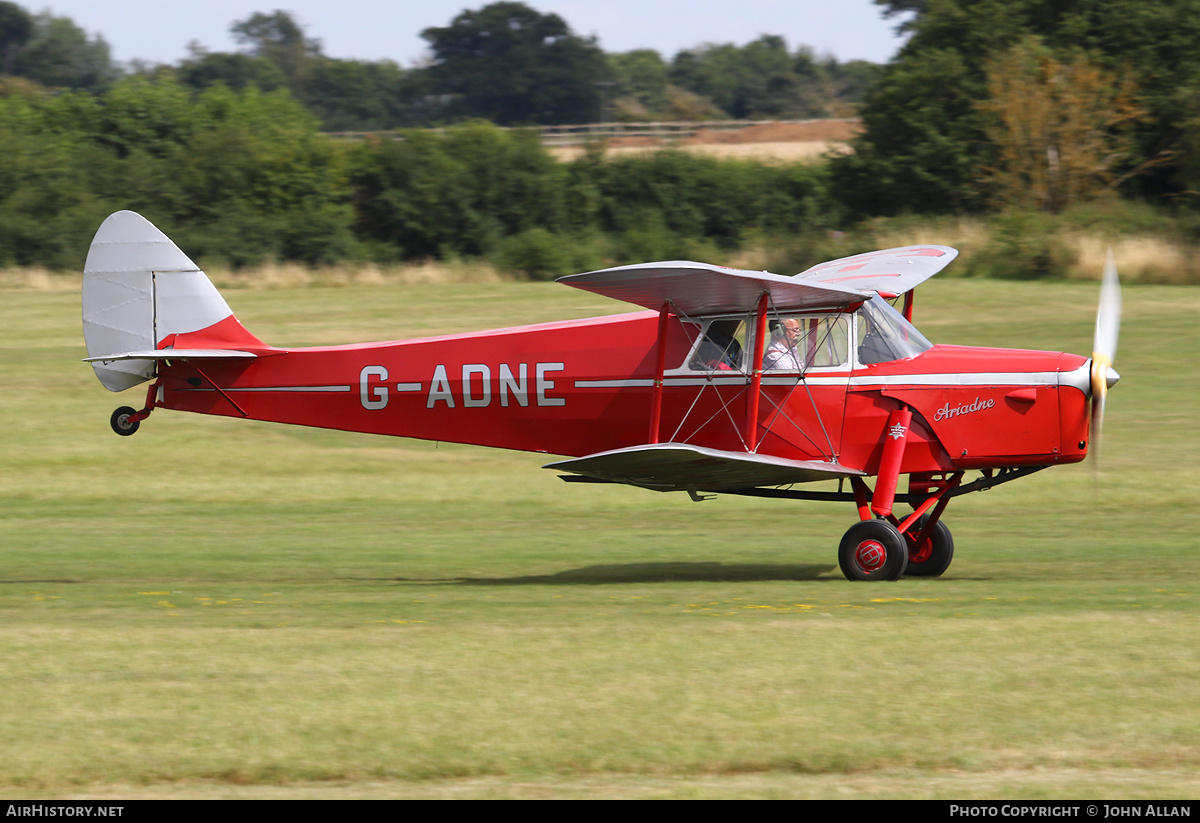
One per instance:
(174, 354)
(684, 467)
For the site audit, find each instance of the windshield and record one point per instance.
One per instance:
(884, 334)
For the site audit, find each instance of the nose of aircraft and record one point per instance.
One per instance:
(1111, 376)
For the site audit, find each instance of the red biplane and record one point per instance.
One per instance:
(733, 382)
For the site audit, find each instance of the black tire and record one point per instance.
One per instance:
(124, 421)
(873, 550)
(932, 558)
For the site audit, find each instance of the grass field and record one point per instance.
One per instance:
(214, 608)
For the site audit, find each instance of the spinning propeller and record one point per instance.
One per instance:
(1104, 347)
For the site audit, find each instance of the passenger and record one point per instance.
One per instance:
(712, 357)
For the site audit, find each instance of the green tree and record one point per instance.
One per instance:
(763, 80)
(237, 71)
(143, 114)
(769, 88)
(258, 181)
(358, 95)
(920, 151)
(45, 197)
(513, 65)
(59, 54)
(926, 144)
(459, 192)
(16, 28)
(279, 38)
(1059, 128)
(640, 83)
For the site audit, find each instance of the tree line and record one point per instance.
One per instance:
(504, 62)
(1031, 113)
(1032, 103)
(243, 177)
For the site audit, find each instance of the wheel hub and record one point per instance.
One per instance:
(920, 552)
(870, 555)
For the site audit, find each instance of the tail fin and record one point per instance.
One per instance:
(143, 297)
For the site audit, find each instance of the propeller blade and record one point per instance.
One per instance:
(1098, 398)
(1104, 347)
(1108, 318)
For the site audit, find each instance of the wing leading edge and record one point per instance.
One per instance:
(684, 467)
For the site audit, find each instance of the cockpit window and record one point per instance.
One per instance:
(883, 334)
(722, 346)
(798, 342)
(795, 342)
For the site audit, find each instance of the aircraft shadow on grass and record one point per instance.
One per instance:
(694, 572)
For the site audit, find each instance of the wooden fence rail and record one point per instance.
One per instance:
(588, 132)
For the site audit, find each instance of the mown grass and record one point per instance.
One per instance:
(220, 609)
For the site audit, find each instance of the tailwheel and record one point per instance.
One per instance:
(931, 556)
(873, 550)
(125, 421)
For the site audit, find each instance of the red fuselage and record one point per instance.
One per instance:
(581, 387)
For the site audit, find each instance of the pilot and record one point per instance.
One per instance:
(782, 354)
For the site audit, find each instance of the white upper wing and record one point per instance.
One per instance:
(699, 289)
(890, 271)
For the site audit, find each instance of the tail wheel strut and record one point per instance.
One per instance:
(125, 420)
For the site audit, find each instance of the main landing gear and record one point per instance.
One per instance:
(883, 547)
(878, 550)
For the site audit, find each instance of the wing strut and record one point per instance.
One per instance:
(659, 368)
(756, 379)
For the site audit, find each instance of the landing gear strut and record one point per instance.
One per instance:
(925, 544)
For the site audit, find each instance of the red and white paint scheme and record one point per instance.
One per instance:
(728, 381)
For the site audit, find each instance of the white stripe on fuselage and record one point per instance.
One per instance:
(1042, 378)
(275, 388)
